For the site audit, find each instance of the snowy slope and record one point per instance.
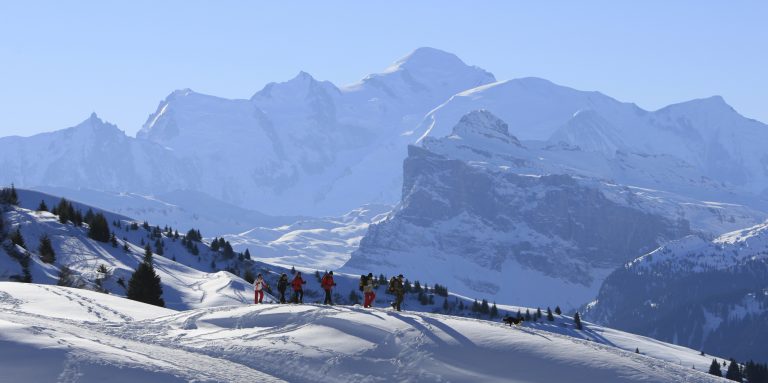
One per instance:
(308, 343)
(317, 243)
(183, 286)
(707, 294)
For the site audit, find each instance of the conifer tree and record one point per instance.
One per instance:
(88, 218)
(247, 254)
(447, 306)
(550, 317)
(17, 239)
(229, 252)
(99, 228)
(159, 247)
(42, 206)
(62, 210)
(734, 371)
(577, 321)
(144, 285)
(714, 368)
(9, 196)
(538, 313)
(113, 240)
(248, 276)
(558, 311)
(494, 311)
(528, 317)
(417, 286)
(45, 249)
(125, 246)
(484, 308)
(215, 244)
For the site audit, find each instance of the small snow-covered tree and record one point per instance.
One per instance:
(145, 285)
(99, 228)
(577, 321)
(45, 249)
(17, 239)
(714, 368)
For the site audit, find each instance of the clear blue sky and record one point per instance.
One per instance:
(60, 61)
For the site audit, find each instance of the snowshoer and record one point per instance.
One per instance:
(396, 287)
(258, 286)
(370, 295)
(298, 288)
(327, 284)
(282, 285)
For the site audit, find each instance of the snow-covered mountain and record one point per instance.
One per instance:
(306, 146)
(52, 333)
(492, 218)
(705, 294)
(93, 154)
(707, 134)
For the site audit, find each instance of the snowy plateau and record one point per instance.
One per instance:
(522, 192)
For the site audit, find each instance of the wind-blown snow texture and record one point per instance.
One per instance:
(90, 337)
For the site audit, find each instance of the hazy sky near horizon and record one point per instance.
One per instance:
(60, 61)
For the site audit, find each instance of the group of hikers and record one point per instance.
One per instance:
(368, 285)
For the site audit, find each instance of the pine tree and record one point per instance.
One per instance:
(247, 254)
(714, 368)
(229, 252)
(9, 196)
(528, 317)
(550, 317)
(17, 239)
(159, 247)
(62, 210)
(637, 350)
(734, 371)
(538, 313)
(42, 206)
(577, 321)
(484, 308)
(494, 311)
(99, 228)
(215, 244)
(88, 218)
(476, 306)
(45, 249)
(125, 246)
(558, 311)
(417, 286)
(113, 240)
(145, 285)
(248, 276)
(447, 306)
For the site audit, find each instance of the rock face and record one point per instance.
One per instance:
(705, 294)
(476, 216)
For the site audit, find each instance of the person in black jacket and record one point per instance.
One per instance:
(282, 285)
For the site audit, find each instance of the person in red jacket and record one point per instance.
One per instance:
(368, 286)
(327, 284)
(298, 288)
(259, 285)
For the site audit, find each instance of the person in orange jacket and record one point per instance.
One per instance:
(298, 288)
(327, 284)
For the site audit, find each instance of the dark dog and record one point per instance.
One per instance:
(512, 321)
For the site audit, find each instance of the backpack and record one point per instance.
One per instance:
(363, 281)
(392, 284)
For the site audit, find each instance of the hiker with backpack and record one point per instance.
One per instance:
(282, 285)
(396, 287)
(327, 284)
(298, 288)
(368, 286)
(258, 286)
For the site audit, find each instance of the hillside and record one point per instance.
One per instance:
(705, 294)
(117, 338)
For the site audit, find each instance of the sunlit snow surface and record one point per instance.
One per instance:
(50, 333)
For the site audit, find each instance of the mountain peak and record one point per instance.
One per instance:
(486, 124)
(428, 57)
